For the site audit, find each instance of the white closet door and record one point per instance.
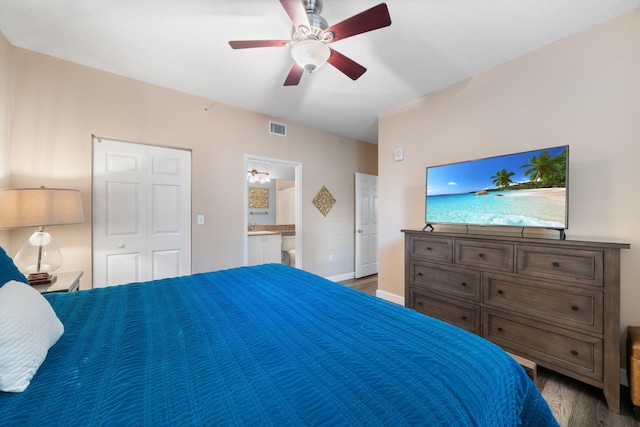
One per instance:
(141, 212)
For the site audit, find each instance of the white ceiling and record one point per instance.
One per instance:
(182, 45)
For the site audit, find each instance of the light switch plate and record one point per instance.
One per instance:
(200, 219)
(398, 154)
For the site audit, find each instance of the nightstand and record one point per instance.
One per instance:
(66, 282)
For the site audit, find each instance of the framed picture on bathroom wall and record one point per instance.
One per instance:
(258, 198)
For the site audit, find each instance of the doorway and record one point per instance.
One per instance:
(141, 212)
(285, 193)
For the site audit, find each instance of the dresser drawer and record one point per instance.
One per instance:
(430, 248)
(555, 302)
(445, 279)
(465, 316)
(494, 256)
(553, 347)
(562, 305)
(577, 266)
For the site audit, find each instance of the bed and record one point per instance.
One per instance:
(268, 345)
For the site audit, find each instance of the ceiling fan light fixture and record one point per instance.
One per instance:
(310, 54)
(311, 35)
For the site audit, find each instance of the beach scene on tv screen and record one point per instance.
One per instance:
(524, 189)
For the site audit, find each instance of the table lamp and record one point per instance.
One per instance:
(39, 207)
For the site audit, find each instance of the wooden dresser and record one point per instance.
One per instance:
(555, 302)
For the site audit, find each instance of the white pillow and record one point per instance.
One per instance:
(28, 329)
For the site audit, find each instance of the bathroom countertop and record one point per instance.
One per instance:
(261, 233)
(275, 229)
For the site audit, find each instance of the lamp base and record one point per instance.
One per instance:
(41, 279)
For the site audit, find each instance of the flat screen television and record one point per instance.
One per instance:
(527, 189)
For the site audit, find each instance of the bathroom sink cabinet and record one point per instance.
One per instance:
(264, 249)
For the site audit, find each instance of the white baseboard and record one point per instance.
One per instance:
(388, 296)
(341, 277)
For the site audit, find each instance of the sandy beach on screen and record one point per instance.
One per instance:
(549, 193)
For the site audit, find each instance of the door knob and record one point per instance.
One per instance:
(120, 245)
(359, 231)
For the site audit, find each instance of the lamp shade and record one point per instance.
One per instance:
(38, 207)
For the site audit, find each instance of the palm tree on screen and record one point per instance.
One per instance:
(541, 169)
(503, 178)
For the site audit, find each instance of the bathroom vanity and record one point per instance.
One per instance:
(264, 247)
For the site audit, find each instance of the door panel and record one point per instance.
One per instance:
(121, 163)
(123, 209)
(166, 209)
(166, 264)
(166, 166)
(122, 268)
(142, 212)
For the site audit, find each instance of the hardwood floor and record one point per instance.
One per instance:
(368, 285)
(573, 403)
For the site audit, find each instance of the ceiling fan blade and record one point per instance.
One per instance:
(369, 20)
(247, 44)
(294, 75)
(348, 66)
(296, 12)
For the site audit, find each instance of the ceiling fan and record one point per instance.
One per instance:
(311, 35)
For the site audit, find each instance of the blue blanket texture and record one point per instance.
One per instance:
(265, 346)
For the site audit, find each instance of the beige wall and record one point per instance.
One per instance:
(583, 91)
(5, 122)
(58, 105)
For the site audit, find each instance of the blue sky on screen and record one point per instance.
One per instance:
(465, 177)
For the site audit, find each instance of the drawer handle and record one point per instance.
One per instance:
(556, 264)
(420, 303)
(419, 274)
(464, 283)
(575, 308)
(500, 291)
(574, 352)
(428, 248)
(500, 329)
(481, 255)
(464, 317)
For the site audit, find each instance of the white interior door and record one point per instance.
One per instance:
(366, 223)
(141, 212)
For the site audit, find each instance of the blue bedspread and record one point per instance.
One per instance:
(269, 346)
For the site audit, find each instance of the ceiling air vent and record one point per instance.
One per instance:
(277, 128)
